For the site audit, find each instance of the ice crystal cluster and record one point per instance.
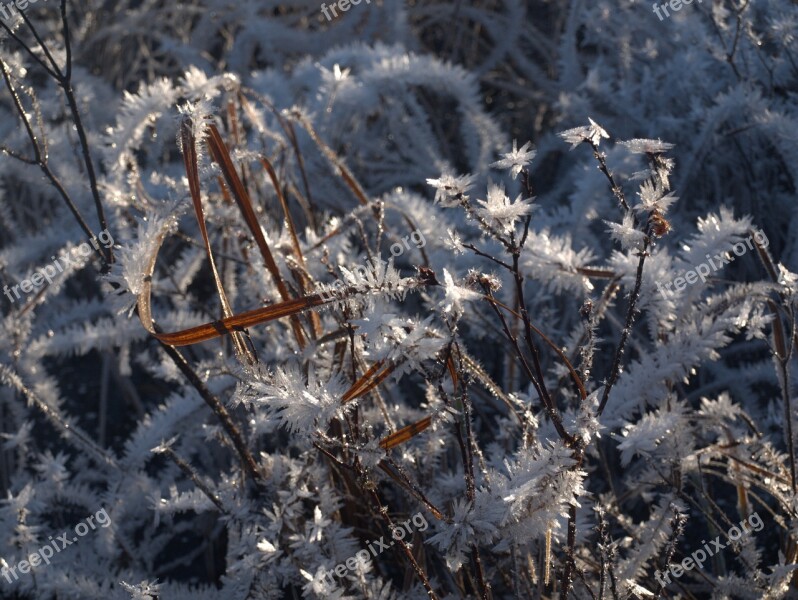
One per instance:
(424, 258)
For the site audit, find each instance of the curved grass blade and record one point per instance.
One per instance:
(190, 159)
(221, 155)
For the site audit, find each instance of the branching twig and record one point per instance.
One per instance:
(40, 158)
(63, 77)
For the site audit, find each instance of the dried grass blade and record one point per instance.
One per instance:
(191, 162)
(216, 329)
(360, 383)
(405, 433)
(288, 128)
(416, 493)
(370, 379)
(330, 155)
(452, 371)
(764, 256)
(300, 161)
(209, 331)
(742, 492)
(303, 278)
(221, 155)
(288, 219)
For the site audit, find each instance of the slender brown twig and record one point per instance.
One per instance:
(247, 460)
(63, 77)
(40, 158)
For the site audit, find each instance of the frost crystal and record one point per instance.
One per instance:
(500, 212)
(516, 160)
(642, 146)
(450, 189)
(387, 375)
(591, 133)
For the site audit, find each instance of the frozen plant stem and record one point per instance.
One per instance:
(545, 397)
(627, 327)
(579, 449)
(536, 377)
(55, 417)
(522, 359)
(616, 189)
(195, 478)
(405, 548)
(635, 295)
(483, 223)
(782, 353)
(64, 80)
(395, 470)
(247, 461)
(781, 356)
(468, 455)
(40, 157)
(677, 528)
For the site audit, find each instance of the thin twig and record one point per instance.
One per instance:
(405, 548)
(195, 478)
(627, 328)
(40, 158)
(248, 462)
(64, 80)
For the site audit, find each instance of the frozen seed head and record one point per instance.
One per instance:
(484, 280)
(659, 225)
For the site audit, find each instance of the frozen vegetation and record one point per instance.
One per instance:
(410, 302)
